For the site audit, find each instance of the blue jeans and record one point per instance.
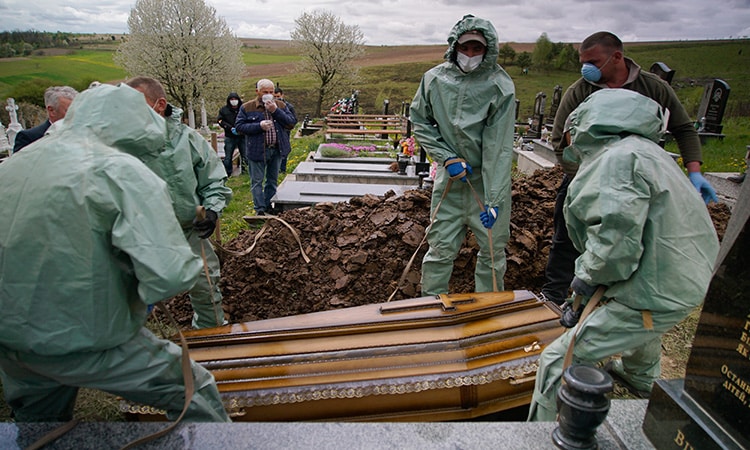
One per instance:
(264, 177)
(232, 142)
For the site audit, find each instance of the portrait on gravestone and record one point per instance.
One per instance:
(712, 106)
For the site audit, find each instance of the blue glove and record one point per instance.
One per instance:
(582, 288)
(456, 169)
(234, 131)
(704, 187)
(488, 216)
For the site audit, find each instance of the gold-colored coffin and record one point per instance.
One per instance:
(424, 359)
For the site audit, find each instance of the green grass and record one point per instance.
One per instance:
(256, 59)
(70, 69)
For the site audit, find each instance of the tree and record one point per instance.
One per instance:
(328, 47)
(544, 52)
(524, 61)
(507, 53)
(567, 59)
(185, 46)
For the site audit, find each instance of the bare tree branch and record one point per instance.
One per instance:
(328, 47)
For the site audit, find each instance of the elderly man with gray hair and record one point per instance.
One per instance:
(264, 121)
(56, 102)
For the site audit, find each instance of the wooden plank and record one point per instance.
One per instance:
(361, 131)
(389, 116)
(366, 123)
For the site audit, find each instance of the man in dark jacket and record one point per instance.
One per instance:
(264, 120)
(56, 102)
(232, 138)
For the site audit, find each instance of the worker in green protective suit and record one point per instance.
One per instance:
(644, 234)
(85, 247)
(195, 176)
(463, 115)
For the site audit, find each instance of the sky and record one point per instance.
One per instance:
(419, 22)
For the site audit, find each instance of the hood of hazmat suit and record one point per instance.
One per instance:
(642, 229)
(85, 243)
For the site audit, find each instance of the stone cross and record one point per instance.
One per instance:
(14, 126)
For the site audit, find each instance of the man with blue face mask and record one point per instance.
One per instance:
(463, 115)
(604, 67)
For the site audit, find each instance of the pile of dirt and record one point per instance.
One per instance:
(358, 251)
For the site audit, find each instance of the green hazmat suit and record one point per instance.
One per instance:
(195, 176)
(88, 240)
(643, 232)
(470, 116)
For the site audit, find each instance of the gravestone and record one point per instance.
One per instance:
(204, 120)
(712, 106)
(537, 120)
(14, 126)
(556, 97)
(710, 407)
(663, 71)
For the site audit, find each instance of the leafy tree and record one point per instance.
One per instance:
(184, 45)
(328, 47)
(507, 53)
(567, 58)
(524, 60)
(544, 52)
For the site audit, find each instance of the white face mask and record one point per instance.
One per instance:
(234, 102)
(468, 64)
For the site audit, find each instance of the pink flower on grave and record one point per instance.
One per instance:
(408, 146)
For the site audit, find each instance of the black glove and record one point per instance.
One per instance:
(205, 227)
(581, 287)
(570, 316)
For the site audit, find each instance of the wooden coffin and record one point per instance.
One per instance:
(448, 357)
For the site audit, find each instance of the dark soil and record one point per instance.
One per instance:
(358, 252)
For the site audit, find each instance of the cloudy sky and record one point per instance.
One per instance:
(401, 22)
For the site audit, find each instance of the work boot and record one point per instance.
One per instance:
(615, 370)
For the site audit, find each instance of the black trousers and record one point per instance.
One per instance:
(562, 254)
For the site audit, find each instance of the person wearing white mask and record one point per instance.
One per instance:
(232, 139)
(463, 115)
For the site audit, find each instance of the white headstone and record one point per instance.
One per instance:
(191, 115)
(14, 126)
(204, 119)
(5, 146)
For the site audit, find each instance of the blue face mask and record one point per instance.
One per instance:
(592, 73)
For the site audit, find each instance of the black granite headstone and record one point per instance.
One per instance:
(711, 109)
(663, 71)
(537, 121)
(556, 97)
(710, 408)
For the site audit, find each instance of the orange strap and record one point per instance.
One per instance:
(593, 302)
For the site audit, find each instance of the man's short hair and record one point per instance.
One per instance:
(53, 94)
(264, 83)
(604, 38)
(151, 87)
